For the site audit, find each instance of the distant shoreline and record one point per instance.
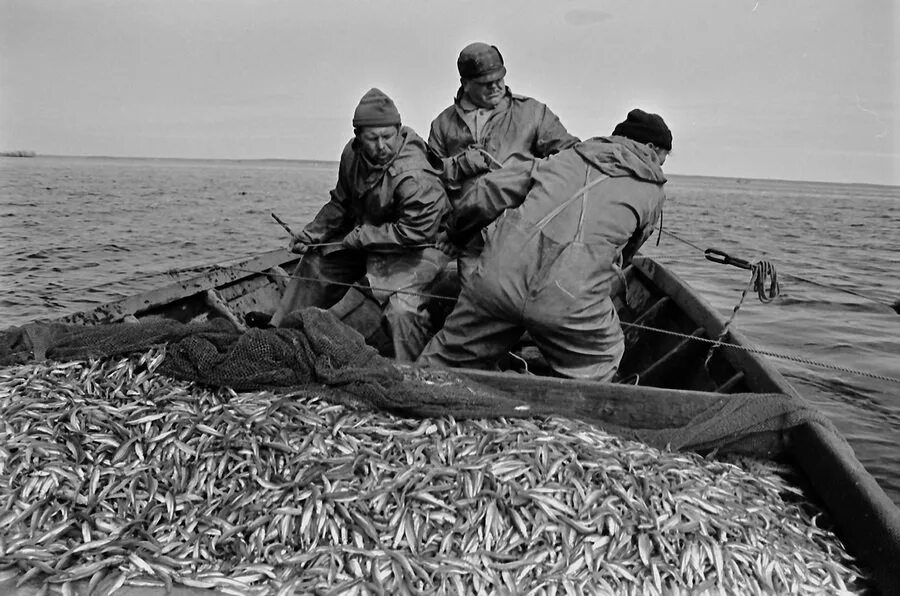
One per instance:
(200, 159)
(334, 163)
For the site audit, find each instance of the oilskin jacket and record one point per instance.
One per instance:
(383, 208)
(524, 127)
(563, 225)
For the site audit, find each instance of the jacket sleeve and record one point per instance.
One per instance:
(552, 136)
(422, 205)
(643, 231)
(330, 221)
(450, 174)
(333, 219)
(492, 194)
(436, 140)
(455, 169)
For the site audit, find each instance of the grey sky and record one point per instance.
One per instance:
(805, 90)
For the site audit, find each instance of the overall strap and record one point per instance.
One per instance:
(580, 193)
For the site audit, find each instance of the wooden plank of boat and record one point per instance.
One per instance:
(866, 518)
(173, 301)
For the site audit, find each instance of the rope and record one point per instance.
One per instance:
(328, 244)
(759, 273)
(682, 240)
(878, 301)
(839, 289)
(346, 284)
(717, 342)
(779, 355)
(490, 157)
(762, 271)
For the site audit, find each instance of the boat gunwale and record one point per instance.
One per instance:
(866, 518)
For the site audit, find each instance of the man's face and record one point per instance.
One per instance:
(485, 95)
(662, 154)
(379, 143)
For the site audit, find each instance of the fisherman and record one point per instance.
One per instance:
(564, 227)
(487, 126)
(379, 227)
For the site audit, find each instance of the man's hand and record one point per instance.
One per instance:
(473, 161)
(443, 244)
(298, 245)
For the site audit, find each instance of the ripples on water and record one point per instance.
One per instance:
(78, 232)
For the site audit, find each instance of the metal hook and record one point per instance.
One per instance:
(718, 256)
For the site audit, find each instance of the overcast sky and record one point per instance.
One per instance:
(800, 90)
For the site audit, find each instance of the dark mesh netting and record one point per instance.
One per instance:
(322, 351)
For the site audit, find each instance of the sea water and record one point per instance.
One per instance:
(79, 232)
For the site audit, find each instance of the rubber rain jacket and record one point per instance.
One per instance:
(519, 126)
(517, 129)
(379, 218)
(551, 256)
(383, 208)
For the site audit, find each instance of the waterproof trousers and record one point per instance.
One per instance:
(396, 281)
(490, 317)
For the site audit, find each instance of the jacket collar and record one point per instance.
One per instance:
(463, 104)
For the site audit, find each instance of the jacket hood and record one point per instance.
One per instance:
(620, 156)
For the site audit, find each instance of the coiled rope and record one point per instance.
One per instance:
(760, 272)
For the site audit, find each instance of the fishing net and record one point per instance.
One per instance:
(318, 350)
(321, 351)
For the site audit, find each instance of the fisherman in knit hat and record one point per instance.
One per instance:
(565, 226)
(488, 126)
(378, 230)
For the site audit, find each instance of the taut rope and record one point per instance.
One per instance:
(715, 343)
(894, 307)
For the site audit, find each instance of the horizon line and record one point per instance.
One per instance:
(34, 154)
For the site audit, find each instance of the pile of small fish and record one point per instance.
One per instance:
(111, 474)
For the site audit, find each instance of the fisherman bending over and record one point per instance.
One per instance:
(380, 225)
(564, 226)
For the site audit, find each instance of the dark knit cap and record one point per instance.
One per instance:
(376, 109)
(645, 128)
(480, 62)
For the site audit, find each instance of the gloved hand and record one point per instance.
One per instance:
(472, 162)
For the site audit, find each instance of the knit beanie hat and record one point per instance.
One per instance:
(645, 128)
(376, 109)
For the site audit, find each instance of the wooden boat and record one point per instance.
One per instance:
(666, 323)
